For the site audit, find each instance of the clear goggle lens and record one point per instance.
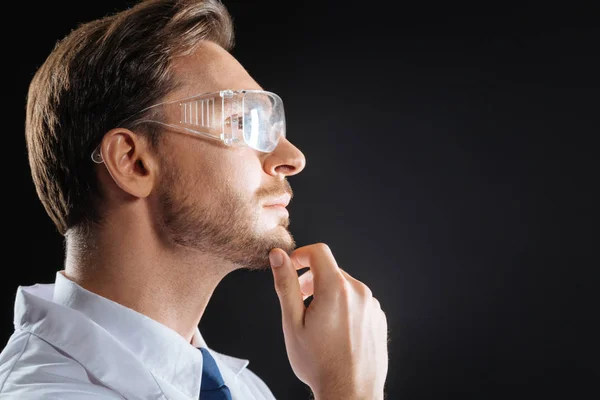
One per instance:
(255, 117)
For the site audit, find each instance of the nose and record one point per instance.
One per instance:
(286, 159)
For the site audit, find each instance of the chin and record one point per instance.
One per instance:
(258, 258)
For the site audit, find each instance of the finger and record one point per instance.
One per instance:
(319, 258)
(349, 277)
(287, 287)
(306, 284)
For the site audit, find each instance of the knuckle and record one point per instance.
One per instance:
(363, 290)
(343, 286)
(376, 303)
(384, 321)
(347, 275)
(323, 247)
(382, 316)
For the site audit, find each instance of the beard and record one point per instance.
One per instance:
(228, 228)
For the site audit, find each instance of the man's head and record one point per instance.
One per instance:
(202, 194)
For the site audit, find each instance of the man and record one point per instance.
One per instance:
(164, 165)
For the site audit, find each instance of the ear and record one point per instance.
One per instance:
(130, 163)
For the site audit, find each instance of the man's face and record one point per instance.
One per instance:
(212, 196)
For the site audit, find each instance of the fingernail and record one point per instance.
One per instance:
(276, 258)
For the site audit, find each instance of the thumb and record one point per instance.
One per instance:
(287, 287)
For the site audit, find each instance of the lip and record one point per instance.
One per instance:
(279, 202)
(278, 208)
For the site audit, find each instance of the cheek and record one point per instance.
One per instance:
(230, 173)
(243, 175)
(194, 178)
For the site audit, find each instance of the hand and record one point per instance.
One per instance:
(338, 344)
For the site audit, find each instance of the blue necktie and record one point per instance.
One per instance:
(212, 386)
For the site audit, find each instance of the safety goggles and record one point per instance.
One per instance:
(253, 118)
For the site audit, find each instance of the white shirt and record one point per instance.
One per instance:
(72, 344)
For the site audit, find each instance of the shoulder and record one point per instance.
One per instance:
(31, 368)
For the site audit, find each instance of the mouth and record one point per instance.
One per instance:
(281, 201)
(280, 208)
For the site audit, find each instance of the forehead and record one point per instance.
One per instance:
(210, 68)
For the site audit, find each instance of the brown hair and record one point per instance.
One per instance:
(95, 78)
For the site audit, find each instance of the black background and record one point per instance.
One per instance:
(450, 167)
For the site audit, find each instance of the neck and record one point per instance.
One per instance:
(129, 264)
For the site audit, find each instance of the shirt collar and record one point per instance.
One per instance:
(162, 350)
(235, 365)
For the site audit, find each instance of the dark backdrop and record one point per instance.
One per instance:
(450, 167)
